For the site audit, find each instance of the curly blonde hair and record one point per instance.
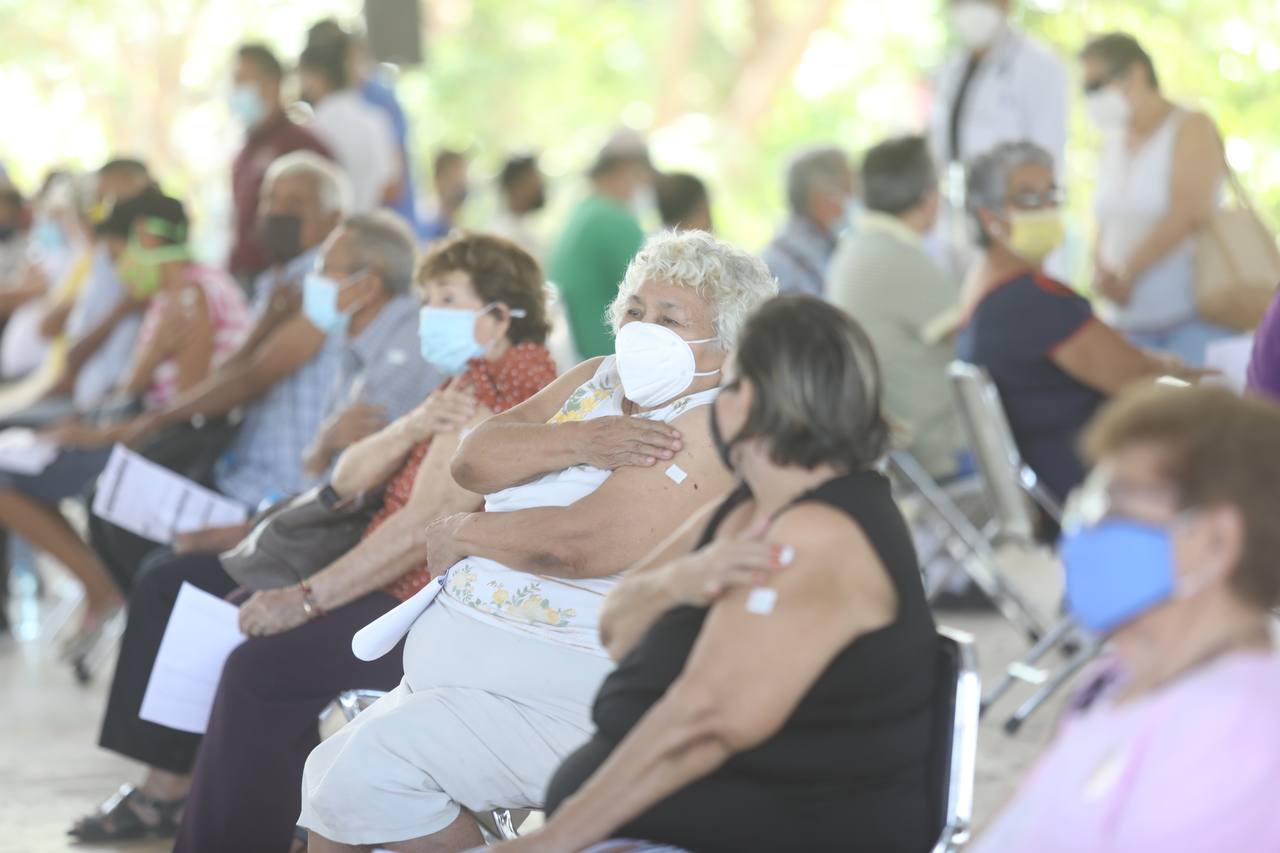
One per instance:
(733, 281)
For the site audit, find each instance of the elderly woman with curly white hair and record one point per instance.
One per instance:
(582, 480)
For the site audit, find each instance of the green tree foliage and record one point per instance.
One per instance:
(726, 87)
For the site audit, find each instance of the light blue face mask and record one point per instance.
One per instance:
(320, 303)
(48, 237)
(1117, 570)
(245, 103)
(448, 336)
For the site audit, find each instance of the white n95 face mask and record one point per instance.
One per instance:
(976, 23)
(654, 363)
(1108, 109)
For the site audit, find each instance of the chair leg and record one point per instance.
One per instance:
(1073, 666)
(1018, 671)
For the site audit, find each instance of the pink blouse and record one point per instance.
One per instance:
(1193, 767)
(228, 314)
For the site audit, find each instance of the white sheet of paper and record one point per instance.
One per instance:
(1231, 356)
(154, 502)
(381, 635)
(202, 631)
(22, 451)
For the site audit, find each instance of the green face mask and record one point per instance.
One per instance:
(140, 268)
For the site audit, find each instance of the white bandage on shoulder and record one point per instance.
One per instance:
(677, 474)
(761, 600)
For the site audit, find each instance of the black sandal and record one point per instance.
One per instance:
(116, 820)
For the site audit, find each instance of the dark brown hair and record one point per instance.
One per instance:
(1219, 449)
(500, 271)
(817, 385)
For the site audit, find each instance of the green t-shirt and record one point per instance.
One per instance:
(588, 262)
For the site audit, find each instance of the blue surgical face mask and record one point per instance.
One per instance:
(448, 336)
(849, 219)
(246, 105)
(48, 237)
(1117, 570)
(320, 303)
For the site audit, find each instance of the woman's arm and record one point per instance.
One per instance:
(636, 601)
(744, 678)
(1197, 169)
(370, 462)
(376, 561)
(1099, 356)
(605, 532)
(193, 350)
(390, 551)
(519, 445)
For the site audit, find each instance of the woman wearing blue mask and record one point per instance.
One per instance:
(1170, 551)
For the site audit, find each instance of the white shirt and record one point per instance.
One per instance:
(363, 143)
(563, 611)
(1019, 91)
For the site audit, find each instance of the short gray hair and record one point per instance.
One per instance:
(382, 242)
(987, 178)
(814, 168)
(897, 175)
(331, 183)
(733, 281)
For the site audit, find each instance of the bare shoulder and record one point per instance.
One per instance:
(1198, 132)
(833, 553)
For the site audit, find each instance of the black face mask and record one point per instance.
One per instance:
(539, 201)
(280, 235)
(723, 448)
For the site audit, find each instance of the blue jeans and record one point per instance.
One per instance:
(1187, 341)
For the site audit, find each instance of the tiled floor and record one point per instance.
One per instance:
(51, 772)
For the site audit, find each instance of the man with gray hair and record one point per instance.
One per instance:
(820, 192)
(882, 275)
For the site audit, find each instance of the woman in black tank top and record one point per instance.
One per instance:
(776, 661)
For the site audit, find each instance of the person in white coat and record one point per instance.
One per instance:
(999, 85)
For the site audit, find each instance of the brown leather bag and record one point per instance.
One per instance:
(1237, 264)
(298, 537)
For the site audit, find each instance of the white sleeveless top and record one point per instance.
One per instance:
(1134, 190)
(557, 610)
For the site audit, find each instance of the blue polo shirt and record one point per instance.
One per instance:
(1013, 333)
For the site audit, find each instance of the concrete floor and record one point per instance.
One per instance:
(51, 771)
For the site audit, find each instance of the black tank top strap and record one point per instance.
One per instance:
(736, 498)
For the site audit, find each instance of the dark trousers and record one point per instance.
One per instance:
(247, 791)
(151, 600)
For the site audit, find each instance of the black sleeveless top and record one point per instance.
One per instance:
(848, 770)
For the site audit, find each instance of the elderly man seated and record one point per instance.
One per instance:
(501, 668)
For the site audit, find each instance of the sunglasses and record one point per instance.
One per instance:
(1094, 86)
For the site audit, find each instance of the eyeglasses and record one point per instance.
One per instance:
(1032, 200)
(1101, 497)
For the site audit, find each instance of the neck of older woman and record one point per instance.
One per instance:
(999, 265)
(498, 349)
(1185, 636)
(775, 486)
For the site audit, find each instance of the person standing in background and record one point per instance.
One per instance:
(999, 85)
(683, 202)
(522, 192)
(601, 237)
(358, 134)
(256, 103)
(1159, 181)
(450, 175)
(378, 89)
(820, 200)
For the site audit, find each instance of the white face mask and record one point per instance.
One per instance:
(975, 23)
(1108, 109)
(656, 365)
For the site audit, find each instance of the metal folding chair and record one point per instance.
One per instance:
(970, 548)
(497, 825)
(956, 738)
(1015, 492)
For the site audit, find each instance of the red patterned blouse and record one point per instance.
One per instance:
(521, 372)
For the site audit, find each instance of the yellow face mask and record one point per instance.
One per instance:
(1034, 234)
